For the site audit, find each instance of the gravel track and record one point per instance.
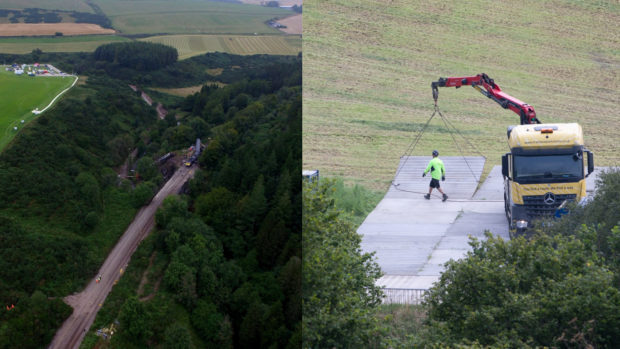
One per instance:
(86, 304)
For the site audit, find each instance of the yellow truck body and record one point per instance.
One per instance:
(546, 168)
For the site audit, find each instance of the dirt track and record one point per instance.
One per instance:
(86, 304)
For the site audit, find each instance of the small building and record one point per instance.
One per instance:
(310, 176)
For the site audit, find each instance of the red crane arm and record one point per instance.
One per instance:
(491, 90)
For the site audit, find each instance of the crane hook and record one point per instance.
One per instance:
(435, 92)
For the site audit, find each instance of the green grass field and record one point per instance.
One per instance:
(67, 5)
(82, 43)
(19, 95)
(368, 69)
(192, 45)
(189, 17)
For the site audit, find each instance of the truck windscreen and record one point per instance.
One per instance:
(548, 168)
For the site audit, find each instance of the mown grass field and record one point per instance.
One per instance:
(180, 92)
(189, 17)
(192, 45)
(86, 43)
(19, 95)
(66, 5)
(368, 66)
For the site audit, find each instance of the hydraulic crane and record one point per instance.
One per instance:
(491, 90)
(546, 166)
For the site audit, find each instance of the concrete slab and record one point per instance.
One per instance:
(462, 176)
(493, 186)
(413, 238)
(407, 281)
(405, 228)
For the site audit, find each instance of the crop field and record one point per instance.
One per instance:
(293, 24)
(65, 5)
(86, 43)
(19, 95)
(368, 69)
(192, 45)
(35, 29)
(189, 17)
(185, 91)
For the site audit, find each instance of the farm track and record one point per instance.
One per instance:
(86, 304)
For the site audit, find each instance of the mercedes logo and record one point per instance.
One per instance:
(549, 198)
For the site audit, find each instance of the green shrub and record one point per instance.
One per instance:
(541, 292)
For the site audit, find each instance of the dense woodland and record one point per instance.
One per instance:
(558, 287)
(140, 56)
(231, 247)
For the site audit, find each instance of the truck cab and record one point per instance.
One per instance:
(546, 167)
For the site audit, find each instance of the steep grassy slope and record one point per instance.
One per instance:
(21, 95)
(189, 17)
(368, 68)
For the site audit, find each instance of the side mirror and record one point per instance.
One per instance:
(590, 162)
(505, 166)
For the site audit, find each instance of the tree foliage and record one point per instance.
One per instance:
(138, 55)
(559, 288)
(338, 282)
(57, 197)
(57, 178)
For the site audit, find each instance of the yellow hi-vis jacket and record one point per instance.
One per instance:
(436, 167)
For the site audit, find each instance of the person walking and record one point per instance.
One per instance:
(438, 171)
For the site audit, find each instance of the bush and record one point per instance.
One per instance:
(339, 294)
(541, 292)
(91, 219)
(143, 194)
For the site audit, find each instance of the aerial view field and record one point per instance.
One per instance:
(231, 27)
(65, 5)
(368, 69)
(192, 45)
(21, 95)
(82, 43)
(189, 17)
(50, 29)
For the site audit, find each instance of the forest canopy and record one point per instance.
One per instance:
(138, 55)
(235, 269)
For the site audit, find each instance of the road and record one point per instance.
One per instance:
(86, 304)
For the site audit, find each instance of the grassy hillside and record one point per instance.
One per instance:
(193, 45)
(21, 95)
(189, 17)
(368, 68)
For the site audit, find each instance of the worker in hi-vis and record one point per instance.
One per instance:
(438, 171)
